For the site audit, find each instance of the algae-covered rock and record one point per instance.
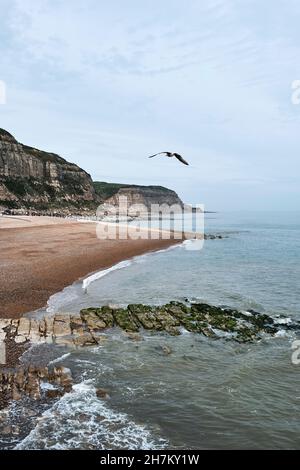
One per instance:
(92, 320)
(105, 314)
(155, 318)
(125, 320)
(146, 316)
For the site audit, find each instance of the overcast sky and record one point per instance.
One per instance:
(105, 84)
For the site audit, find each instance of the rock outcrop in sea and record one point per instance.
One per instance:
(91, 326)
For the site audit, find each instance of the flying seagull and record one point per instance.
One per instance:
(171, 154)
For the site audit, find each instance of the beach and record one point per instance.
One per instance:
(42, 255)
(97, 372)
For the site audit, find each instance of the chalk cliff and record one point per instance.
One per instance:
(32, 178)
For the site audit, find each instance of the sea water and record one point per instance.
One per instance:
(206, 394)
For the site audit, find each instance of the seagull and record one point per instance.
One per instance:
(171, 154)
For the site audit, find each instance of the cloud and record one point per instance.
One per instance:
(116, 81)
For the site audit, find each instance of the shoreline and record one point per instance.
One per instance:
(40, 259)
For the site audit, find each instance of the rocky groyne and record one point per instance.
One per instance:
(88, 327)
(92, 325)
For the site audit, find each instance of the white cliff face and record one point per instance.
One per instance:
(38, 180)
(142, 198)
(31, 177)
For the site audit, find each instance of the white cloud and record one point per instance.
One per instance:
(116, 81)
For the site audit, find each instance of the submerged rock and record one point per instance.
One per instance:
(32, 381)
(102, 393)
(166, 350)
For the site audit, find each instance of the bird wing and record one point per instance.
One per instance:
(179, 157)
(160, 153)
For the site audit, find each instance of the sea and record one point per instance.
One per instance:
(205, 394)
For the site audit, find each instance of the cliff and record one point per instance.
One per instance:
(142, 196)
(43, 181)
(31, 178)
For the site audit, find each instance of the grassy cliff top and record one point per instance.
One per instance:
(45, 156)
(106, 190)
(6, 135)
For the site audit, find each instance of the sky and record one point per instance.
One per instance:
(105, 84)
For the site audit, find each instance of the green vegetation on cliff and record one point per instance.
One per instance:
(106, 190)
(43, 181)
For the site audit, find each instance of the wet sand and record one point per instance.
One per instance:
(42, 255)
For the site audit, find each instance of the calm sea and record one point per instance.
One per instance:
(206, 394)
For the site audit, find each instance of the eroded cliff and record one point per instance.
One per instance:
(34, 179)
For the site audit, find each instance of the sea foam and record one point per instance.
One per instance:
(80, 420)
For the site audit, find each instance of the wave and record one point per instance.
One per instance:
(124, 264)
(94, 277)
(71, 293)
(80, 420)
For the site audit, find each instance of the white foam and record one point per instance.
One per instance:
(123, 264)
(94, 277)
(248, 314)
(47, 386)
(80, 420)
(280, 334)
(58, 300)
(283, 321)
(59, 359)
(70, 293)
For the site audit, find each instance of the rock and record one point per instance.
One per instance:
(15, 430)
(43, 373)
(65, 341)
(6, 430)
(14, 327)
(24, 327)
(61, 325)
(83, 417)
(35, 336)
(125, 320)
(53, 393)
(32, 386)
(30, 178)
(133, 336)
(105, 314)
(19, 378)
(3, 325)
(76, 324)
(49, 320)
(20, 339)
(99, 337)
(92, 320)
(166, 350)
(16, 394)
(102, 393)
(146, 316)
(28, 381)
(85, 339)
(63, 377)
(43, 327)
(168, 321)
(141, 197)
